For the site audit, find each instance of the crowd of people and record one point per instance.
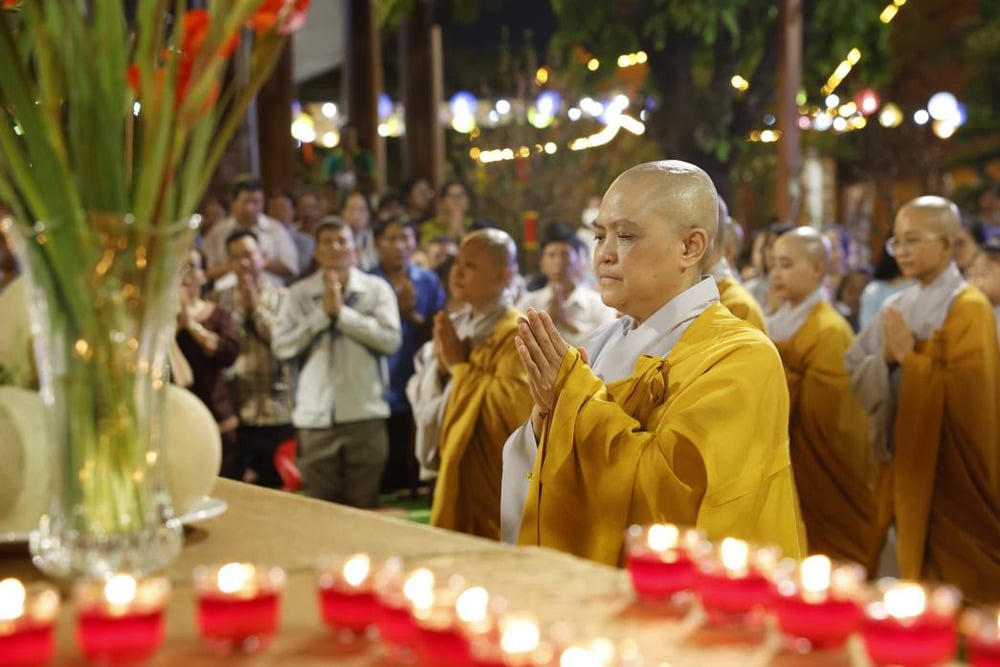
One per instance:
(642, 374)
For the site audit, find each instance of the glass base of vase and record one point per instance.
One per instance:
(64, 554)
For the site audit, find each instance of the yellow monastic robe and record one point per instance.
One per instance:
(741, 303)
(828, 432)
(697, 438)
(489, 399)
(942, 482)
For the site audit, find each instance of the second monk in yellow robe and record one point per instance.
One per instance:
(484, 395)
(828, 427)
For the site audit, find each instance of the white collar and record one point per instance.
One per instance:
(721, 270)
(785, 322)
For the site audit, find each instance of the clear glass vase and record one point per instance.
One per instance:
(103, 300)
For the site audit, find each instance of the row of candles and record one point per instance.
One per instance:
(817, 603)
(420, 618)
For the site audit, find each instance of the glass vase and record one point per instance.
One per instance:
(103, 307)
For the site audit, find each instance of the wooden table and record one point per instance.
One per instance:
(272, 527)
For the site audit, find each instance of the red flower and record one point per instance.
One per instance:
(10, 4)
(285, 15)
(194, 32)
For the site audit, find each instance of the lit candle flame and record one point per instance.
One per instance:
(419, 588)
(734, 554)
(471, 606)
(662, 537)
(119, 590)
(356, 569)
(233, 577)
(12, 596)
(815, 572)
(520, 635)
(575, 656)
(905, 601)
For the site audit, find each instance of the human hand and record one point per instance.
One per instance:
(448, 347)
(897, 339)
(541, 349)
(333, 294)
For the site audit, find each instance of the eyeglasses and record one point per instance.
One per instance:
(894, 246)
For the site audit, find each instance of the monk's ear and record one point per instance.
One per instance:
(696, 245)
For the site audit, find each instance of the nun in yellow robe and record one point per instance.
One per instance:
(928, 372)
(472, 392)
(683, 417)
(828, 427)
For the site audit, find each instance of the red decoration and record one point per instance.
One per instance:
(531, 230)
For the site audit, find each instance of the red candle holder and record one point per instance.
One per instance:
(981, 628)
(817, 602)
(732, 581)
(238, 606)
(346, 594)
(120, 620)
(441, 642)
(27, 615)
(910, 625)
(394, 590)
(659, 561)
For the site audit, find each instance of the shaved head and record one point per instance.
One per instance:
(813, 245)
(500, 247)
(681, 194)
(939, 215)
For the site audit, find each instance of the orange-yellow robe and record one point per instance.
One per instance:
(697, 438)
(489, 399)
(942, 482)
(741, 303)
(828, 433)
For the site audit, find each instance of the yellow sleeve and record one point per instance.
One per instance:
(672, 445)
(489, 399)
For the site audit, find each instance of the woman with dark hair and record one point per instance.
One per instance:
(886, 281)
(418, 198)
(453, 218)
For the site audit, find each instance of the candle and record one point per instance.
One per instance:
(347, 595)
(26, 619)
(731, 581)
(817, 602)
(659, 560)
(981, 628)
(601, 652)
(521, 642)
(441, 642)
(238, 605)
(908, 624)
(120, 620)
(478, 613)
(395, 593)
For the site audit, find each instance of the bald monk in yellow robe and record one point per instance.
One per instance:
(682, 415)
(732, 294)
(473, 393)
(828, 427)
(927, 371)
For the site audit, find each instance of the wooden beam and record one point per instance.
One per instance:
(788, 190)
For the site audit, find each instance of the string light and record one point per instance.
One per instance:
(890, 11)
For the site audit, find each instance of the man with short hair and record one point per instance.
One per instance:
(340, 324)
(469, 391)
(927, 371)
(576, 311)
(281, 207)
(681, 413)
(260, 385)
(281, 260)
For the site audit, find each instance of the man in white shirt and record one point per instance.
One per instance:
(576, 310)
(281, 259)
(341, 324)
